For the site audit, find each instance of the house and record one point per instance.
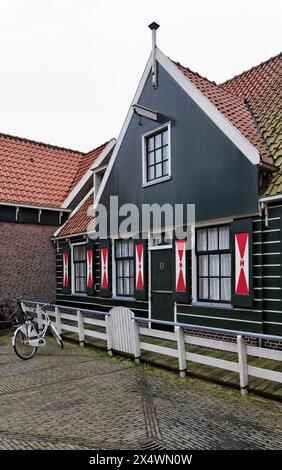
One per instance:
(40, 184)
(187, 140)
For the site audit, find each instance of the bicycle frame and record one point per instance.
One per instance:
(35, 338)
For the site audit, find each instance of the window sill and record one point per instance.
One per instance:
(157, 181)
(212, 305)
(79, 294)
(121, 297)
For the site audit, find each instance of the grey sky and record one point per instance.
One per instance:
(69, 68)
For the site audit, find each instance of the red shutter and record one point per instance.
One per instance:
(105, 288)
(90, 268)
(140, 272)
(181, 288)
(66, 254)
(242, 271)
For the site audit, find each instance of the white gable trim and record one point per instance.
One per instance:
(209, 108)
(212, 112)
(88, 174)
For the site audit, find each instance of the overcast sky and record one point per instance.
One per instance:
(69, 68)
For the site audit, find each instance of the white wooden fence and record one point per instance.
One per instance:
(122, 334)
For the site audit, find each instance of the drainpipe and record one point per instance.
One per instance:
(153, 27)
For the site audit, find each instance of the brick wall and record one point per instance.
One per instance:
(27, 261)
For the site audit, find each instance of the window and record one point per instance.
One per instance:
(156, 165)
(124, 255)
(162, 239)
(214, 264)
(79, 269)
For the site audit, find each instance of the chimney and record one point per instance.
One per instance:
(153, 27)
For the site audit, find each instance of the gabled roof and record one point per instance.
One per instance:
(234, 108)
(261, 88)
(35, 173)
(79, 219)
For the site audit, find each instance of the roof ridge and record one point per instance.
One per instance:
(41, 144)
(252, 68)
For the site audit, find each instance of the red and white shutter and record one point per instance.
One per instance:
(104, 268)
(242, 263)
(140, 278)
(66, 253)
(90, 268)
(181, 287)
(241, 233)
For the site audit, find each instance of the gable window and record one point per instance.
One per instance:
(156, 156)
(124, 256)
(214, 264)
(79, 268)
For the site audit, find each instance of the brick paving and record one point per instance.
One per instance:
(82, 399)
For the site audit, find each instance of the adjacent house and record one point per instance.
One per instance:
(40, 185)
(188, 140)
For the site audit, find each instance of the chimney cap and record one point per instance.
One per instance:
(154, 25)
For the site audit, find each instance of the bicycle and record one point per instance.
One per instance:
(27, 339)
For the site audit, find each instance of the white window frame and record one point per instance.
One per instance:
(82, 294)
(195, 302)
(145, 136)
(161, 247)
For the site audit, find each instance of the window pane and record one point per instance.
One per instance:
(120, 286)
(214, 265)
(126, 268)
(131, 268)
(203, 265)
(131, 286)
(165, 153)
(124, 249)
(203, 288)
(150, 143)
(118, 249)
(119, 268)
(165, 138)
(151, 173)
(225, 289)
(126, 286)
(158, 170)
(224, 238)
(158, 156)
(130, 247)
(212, 239)
(158, 140)
(151, 159)
(165, 168)
(214, 288)
(201, 240)
(226, 265)
(83, 284)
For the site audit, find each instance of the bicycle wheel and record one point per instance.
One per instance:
(22, 349)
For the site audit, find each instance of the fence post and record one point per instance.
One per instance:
(39, 317)
(136, 341)
(80, 323)
(58, 320)
(109, 335)
(181, 350)
(243, 364)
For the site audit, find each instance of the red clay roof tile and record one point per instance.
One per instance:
(40, 174)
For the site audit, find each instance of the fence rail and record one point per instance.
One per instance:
(122, 333)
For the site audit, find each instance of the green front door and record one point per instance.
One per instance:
(162, 303)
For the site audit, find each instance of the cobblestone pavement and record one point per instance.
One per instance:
(82, 399)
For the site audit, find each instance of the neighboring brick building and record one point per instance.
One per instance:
(39, 186)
